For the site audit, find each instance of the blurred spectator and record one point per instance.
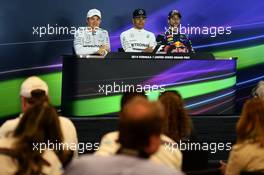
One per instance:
(21, 153)
(248, 153)
(31, 84)
(164, 156)
(127, 96)
(178, 126)
(258, 91)
(140, 125)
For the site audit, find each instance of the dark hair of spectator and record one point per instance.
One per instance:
(127, 96)
(177, 123)
(39, 124)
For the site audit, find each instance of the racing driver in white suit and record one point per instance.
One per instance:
(137, 39)
(92, 39)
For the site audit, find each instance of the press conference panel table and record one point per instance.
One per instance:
(93, 86)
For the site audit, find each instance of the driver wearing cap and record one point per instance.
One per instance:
(173, 37)
(137, 39)
(92, 39)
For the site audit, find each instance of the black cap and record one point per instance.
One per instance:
(139, 12)
(174, 12)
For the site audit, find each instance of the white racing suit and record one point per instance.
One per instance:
(135, 40)
(88, 42)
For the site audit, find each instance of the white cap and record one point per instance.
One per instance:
(33, 83)
(93, 12)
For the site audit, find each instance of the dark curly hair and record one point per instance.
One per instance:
(177, 123)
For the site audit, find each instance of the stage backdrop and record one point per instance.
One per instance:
(34, 35)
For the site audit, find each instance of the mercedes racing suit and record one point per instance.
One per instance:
(181, 42)
(135, 40)
(87, 41)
